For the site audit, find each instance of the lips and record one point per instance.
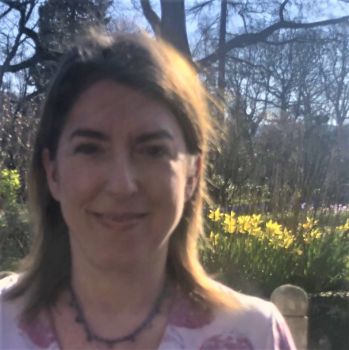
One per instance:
(118, 219)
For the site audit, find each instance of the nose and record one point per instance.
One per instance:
(121, 177)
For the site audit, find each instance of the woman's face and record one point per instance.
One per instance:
(121, 175)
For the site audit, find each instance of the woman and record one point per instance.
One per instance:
(117, 186)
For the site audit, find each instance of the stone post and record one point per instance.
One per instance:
(292, 301)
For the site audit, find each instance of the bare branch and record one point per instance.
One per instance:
(250, 64)
(151, 16)
(296, 40)
(32, 35)
(198, 7)
(22, 65)
(5, 13)
(12, 52)
(248, 39)
(17, 5)
(32, 4)
(34, 94)
(240, 13)
(294, 25)
(281, 10)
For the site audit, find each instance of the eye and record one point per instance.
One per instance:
(87, 148)
(155, 151)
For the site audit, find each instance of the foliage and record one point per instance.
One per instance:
(290, 165)
(9, 186)
(329, 317)
(61, 23)
(256, 253)
(17, 127)
(247, 197)
(14, 229)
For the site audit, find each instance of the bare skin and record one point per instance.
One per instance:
(111, 319)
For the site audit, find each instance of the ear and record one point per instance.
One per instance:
(194, 170)
(50, 167)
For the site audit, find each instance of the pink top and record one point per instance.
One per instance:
(256, 325)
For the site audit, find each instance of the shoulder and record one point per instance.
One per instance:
(245, 308)
(7, 307)
(244, 322)
(257, 319)
(10, 311)
(7, 283)
(17, 332)
(248, 305)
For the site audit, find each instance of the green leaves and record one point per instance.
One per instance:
(14, 227)
(256, 253)
(9, 186)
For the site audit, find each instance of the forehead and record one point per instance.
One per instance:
(110, 106)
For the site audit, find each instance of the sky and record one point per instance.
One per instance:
(315, 10)
(129, 11)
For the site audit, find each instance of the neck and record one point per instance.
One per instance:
(130, 289)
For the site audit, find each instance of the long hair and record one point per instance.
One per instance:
(157, 70)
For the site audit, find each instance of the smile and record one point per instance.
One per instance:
(118, 219)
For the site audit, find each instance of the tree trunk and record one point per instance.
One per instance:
(173, 25)
(221, 59)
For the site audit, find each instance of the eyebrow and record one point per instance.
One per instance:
(145, 137)
(156, 135)
(88, 133)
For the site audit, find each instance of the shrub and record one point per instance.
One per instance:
(255, 253)
(14, 228)
(329, 317)
(9, 186)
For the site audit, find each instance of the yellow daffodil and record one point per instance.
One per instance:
(273, 228)
(344, 227)
(229, 224)
(244, 224)
(256, 221)
(311, 235)
(215, 215)
(309, 224)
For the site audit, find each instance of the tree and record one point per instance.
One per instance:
(254, 29)
(15, 36)
(61, 22)
(172, 24)
(38, 46)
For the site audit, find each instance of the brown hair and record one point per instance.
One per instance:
(156, 69)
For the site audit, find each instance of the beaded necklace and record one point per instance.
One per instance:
(131, 337)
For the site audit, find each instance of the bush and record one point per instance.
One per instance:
(256, 254)
(14, 227)
(329, 315)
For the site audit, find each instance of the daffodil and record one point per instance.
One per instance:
(344, 227)
(229, 224)
(256, 221)
(244, 224)
(309, 224)
(311, 235)
(215, 215)
(273, 228)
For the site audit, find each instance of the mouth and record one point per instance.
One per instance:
(118, 219)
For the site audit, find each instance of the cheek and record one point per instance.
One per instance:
(76, 182)
(170, 187)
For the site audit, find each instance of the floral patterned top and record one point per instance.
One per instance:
(256, 325)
